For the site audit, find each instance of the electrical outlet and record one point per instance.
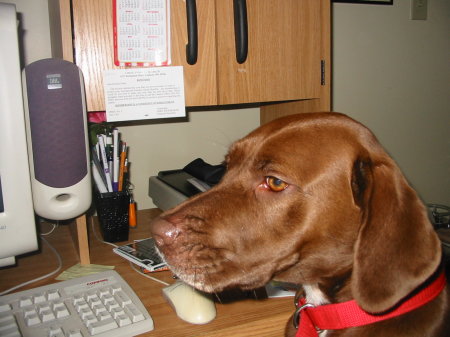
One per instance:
(419, 9)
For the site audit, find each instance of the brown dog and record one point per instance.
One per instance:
(312, 199)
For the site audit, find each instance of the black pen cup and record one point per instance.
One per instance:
(112, 211)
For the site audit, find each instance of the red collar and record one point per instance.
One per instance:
(348, 314)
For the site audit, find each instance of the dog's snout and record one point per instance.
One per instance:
(163, 231)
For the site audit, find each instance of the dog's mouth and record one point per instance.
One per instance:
(210, 269)
(200, 266)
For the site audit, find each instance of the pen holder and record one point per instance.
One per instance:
(112, 212)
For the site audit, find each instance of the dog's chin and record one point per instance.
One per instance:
(216, 282)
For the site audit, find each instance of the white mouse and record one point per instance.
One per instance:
(190, 305)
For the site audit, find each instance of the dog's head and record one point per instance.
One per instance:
(307, 199)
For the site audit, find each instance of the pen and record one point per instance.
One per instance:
(105, 163)
(96, 162)
(116, 160)
(123, 156)
(98, 180)
(132, 214)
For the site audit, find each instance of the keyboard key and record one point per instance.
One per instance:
(94, 301)
(11, 333)
(29, 311)
(88, 320)
(122, 298)
(47, 315)
(104, 292)
(102, 326)
(134, 313)
(55, 331)
(123, 320)
(104, 316)
(59, 334)
(78, 299)
(116, 312)
(74, 333)
(81, 305)
(115, 288)
(85, 313)
(53, 295)
(91, 294)
(107, 299)
(44, 307)
(24, 301)
(98, 309)
(5, 307)
(112, 305)
(7, 323)
(60, 309)
(39, 298)
(32, 319)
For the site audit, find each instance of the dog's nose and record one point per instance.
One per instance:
(163, 231)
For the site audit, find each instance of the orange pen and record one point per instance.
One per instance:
(123, 156)
(132, 222)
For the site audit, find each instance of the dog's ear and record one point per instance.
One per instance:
(397, 248)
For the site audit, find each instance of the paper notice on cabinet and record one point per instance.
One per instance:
(141, 32)
(144, 93)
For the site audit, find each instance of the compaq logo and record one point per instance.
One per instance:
(96, 282)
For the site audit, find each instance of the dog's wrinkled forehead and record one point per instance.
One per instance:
(314, 143)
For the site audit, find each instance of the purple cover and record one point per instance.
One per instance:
(56, 121)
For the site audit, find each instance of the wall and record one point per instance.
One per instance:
(168, 146)
(393, 74)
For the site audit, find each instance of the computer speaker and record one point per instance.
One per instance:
(57, 138)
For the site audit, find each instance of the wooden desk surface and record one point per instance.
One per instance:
(247, 318)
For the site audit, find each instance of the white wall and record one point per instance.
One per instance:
(169, 146)
(393, 74)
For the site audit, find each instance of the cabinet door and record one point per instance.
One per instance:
(200, 82)
(93, 44)
(283, 63)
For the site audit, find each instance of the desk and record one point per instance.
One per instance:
(247, 318)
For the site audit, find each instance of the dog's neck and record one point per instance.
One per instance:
(314, 295)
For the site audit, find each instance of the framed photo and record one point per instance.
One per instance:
(373, 2)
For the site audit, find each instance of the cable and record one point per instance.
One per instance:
(41, 277)
(55, 225)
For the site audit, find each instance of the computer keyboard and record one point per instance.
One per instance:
(101, 304)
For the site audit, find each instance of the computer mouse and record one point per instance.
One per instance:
(190, 305)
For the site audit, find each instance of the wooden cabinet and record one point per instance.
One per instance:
(287, 44)
(283, 52)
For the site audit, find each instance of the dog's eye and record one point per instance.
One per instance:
(276, 184)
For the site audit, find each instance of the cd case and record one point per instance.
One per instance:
(144, 254)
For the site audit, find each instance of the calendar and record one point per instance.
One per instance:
(141, 33)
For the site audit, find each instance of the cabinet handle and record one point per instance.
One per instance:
(240, 30)
(192, 45)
